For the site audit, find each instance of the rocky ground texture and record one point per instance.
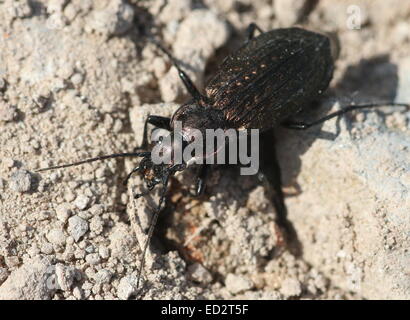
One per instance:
(78, 78)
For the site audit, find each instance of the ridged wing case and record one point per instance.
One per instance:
(271, 77)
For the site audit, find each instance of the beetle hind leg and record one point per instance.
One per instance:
(295, 125)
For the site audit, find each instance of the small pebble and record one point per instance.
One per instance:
(55, 5)
(70, 240)
(63, 212)
(289, 12)
(291, 287)
(58, 84)
(65, 277)
(12, 261)
(8, 112)
(159, 67)
(118, 125)
(69, 196)
(56, 236)
(175, 10)
(93, 258)
(127, 287)
(103, 276)
(97, 209)
(70, 12)
(237, 284)
(104, 252)
(82, 245)
(43, 215)
(198, 273)
(82, 202)
(96, 225)
(77, 227)
(77, 293)
(77, 79)
(115, 19)
(89, 249)
(8, 162)
(21, 181)
(20, 9)
(47, 248)
(79, 254)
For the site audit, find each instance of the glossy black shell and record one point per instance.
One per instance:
(271, 77)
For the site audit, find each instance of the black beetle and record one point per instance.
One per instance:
(266, 81)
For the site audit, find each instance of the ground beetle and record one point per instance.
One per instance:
(270, 78)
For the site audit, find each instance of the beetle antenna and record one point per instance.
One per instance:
(152, 227)
(115, 155)
(345, 109)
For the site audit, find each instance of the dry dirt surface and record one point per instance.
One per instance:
(78, 78)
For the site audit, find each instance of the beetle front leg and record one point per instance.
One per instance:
(160, 122)
(156, 121)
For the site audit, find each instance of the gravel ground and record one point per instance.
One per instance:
(77, 79)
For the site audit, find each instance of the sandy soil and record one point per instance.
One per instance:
(77, 79)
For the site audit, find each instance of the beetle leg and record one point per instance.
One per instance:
(270, 175)
(304, 125)
(201, 180)
(152, 226)
(136, 169)
(157, 121)
(250, 30)
(160, 122)
(143, 194)
(189, 85)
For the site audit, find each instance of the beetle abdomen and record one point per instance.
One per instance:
(271, 77)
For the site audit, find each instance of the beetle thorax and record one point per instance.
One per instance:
(194, 116)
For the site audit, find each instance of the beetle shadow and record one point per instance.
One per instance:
(371, 80)
(376, 78)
